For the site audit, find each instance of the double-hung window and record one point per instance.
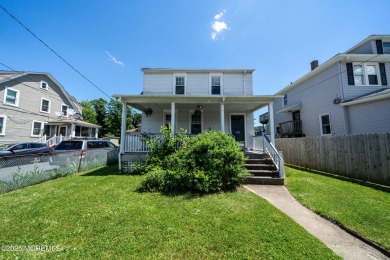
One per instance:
(216, 86)
(44, 85)
(366, 74)
(179, 85)
(196, 122)
(2, 124)
(11, 97)
(325, 124)
(64, 109)
(45, 105)
(37, 128)
(386, 48)
(285, 100)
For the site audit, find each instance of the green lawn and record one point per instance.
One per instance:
(359, 208)
(101, 215)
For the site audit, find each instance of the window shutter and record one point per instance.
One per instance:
(351, 80)
(383, 74)
(379, 47)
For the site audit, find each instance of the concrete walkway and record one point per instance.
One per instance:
(341, 242)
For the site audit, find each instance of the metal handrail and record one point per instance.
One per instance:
(277, 157)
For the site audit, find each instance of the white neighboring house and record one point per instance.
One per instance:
(348, 94)
(195, 100)
(34, 106)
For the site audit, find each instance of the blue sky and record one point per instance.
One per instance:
(110, 41)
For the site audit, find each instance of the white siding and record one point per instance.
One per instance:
(367, 48)
(372, 117)
(161, 83)
(351, 91)
(316, 96)
(198, 83)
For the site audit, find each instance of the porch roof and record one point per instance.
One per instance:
(69, 121)
(242, 103)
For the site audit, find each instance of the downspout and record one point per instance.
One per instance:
(244, 83)
(344, 108)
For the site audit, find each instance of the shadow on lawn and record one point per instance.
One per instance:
(104, 171)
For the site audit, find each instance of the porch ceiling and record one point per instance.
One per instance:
(233, 103)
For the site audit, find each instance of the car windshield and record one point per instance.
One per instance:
(69, 145)
(4, 147)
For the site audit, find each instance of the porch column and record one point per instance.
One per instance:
(173, 116)
(123, 133)
(222, 117)
(271, 122)
(73, 130)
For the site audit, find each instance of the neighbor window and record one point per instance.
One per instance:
(386, 47)
(2, 124)
(44, 85)
(215, 85)
(366, 74)
(325, 124)
(37, 128)
(180, 85)
(167, 119)
(285, 100)
(82, 131)
(196, 122)
(45, 105)
(11, 97)
(64, 109)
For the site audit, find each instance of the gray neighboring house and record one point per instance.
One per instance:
(348, 94)
(34, 106)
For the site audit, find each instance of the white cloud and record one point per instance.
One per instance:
(218, 26)
(114, 59)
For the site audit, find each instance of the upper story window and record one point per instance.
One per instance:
(325, 124)
(44, 85)
(386, 47)
(64, 110)
(366, 74)
(216, 84)
(3, 120)
(179, 85)
(285, 100)
(45, 105)
(11, 96)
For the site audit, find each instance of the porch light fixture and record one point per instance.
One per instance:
(148, 112)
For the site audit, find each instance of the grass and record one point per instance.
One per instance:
(99, 214)
(362, 209)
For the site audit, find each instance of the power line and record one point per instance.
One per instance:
(51, 49)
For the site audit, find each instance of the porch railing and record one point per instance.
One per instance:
(290, 128)
(41, 139)
(262, 143)
(56, 139)
(136, 143)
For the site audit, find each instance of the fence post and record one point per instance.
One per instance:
(81, 157)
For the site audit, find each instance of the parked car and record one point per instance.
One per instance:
(87, 150)
(23, 149)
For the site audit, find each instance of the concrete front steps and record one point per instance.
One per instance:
(262, 170)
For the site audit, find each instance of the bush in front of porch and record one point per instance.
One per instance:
(210, 162)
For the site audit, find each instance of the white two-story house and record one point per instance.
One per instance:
(348, 94)
(34, 106)
(195, 100)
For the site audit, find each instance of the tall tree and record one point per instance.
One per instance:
(99, 106)
(89, 113)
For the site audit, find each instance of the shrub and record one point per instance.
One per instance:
(209, 162)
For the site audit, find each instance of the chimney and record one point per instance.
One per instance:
(314, 64)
